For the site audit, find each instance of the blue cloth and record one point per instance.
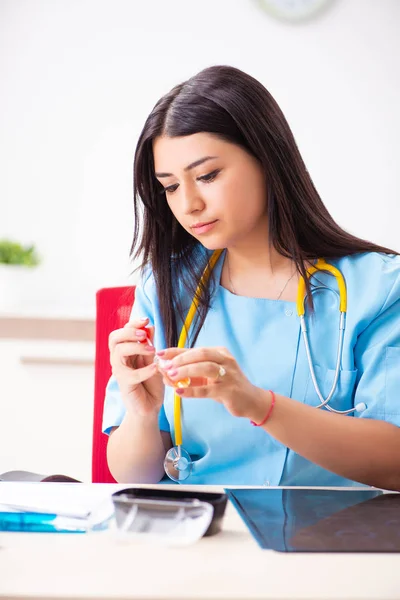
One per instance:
(264, 336)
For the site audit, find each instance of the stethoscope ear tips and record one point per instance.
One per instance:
(360, 407)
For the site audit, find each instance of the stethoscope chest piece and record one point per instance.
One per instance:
(178, 464)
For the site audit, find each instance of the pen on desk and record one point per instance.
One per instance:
(39, 523)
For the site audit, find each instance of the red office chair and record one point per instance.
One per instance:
(113, 308)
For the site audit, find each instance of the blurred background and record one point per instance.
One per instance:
(77, 80)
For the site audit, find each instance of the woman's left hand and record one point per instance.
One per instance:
(213, 373)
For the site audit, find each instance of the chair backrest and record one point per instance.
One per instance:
(113, 308)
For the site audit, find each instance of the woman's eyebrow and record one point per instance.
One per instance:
(192, 165)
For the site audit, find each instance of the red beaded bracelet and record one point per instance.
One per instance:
(268, 413)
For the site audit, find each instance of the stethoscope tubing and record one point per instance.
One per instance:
(175, 454)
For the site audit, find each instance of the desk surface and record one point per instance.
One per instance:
(228, 565)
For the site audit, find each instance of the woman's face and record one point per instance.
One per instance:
(215, 189)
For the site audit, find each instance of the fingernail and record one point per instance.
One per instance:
(172, 372)
(143, 319)
(179, 391)
(148, 347)
(140, 333)
(161, 353)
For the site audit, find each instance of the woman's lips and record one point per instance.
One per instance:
(204, 227)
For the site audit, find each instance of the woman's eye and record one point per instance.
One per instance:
(170, 189)
(209, 176)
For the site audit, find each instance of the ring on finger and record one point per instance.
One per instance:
(221, 373)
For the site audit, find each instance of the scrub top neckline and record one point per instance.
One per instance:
(218, 275)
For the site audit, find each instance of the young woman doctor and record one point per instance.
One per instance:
(217, 167)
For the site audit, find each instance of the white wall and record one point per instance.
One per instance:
(78, 78)
(46, 407)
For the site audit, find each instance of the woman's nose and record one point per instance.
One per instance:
(192, 200)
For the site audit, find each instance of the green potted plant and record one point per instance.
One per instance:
(13, 253)
(16, 274)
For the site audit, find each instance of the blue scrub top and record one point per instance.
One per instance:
(264, 337)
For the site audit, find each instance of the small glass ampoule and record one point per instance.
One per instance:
(161, 363)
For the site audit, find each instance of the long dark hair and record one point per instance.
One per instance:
(224, 101)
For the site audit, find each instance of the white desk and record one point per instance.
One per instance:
(228, 565)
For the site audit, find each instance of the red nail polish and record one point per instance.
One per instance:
(179, 391)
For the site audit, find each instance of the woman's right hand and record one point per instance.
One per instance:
(138, 378)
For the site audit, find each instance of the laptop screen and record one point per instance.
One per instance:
(317, 520)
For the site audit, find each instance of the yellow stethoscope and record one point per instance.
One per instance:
(178, 464)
